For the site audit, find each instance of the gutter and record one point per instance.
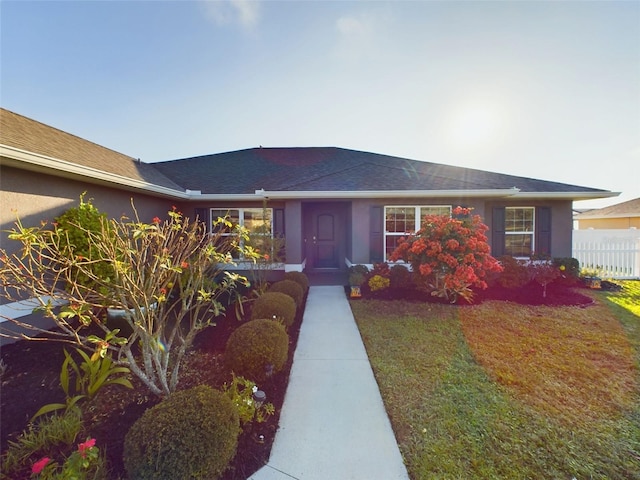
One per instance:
(331, 194)
(43, 162)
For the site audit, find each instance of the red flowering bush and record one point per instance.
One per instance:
(449, 254)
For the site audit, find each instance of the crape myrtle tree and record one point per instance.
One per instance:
(166, 276)
(449, 255)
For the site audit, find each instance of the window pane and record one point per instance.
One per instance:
(438, 210)
(391, 242)
(518, 245)
(519, 219)
(232, 215)
(257, 220)
(400, 219)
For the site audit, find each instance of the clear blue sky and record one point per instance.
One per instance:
(547, 90)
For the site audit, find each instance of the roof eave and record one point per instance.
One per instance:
(334, 194)
(576, 196)
(38, 162)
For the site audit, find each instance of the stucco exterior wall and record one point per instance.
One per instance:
(35, 197)
(561, 221)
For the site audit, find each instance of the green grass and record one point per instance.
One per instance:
(455, 415)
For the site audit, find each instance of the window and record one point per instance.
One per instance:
(256, 220)
(398, 221)
(519, 231)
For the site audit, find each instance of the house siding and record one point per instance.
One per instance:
(34, 197)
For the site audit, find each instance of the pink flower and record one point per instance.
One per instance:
(156, 220)
(184, 265)
(83, 447)
(39, 465)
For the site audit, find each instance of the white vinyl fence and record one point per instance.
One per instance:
(611, 253)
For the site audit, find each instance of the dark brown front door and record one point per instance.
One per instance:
(325, 236)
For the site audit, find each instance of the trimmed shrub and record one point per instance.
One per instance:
(515, 273)
(291, 288)
(73, 226)
(569, 270)
(298, 277)
(275, 306)
(400, 277)
(191, 434)
(257, 349)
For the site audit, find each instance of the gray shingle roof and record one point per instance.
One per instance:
(302, 169)
(336, 169)
(32, 136)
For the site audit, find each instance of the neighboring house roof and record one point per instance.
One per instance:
(301, 171)
(30, 144)
(630, 208)
(308, 172)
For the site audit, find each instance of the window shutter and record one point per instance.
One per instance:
(278, 222)
(497, 232)
(543, 230)
(202, 216)
(376, 235)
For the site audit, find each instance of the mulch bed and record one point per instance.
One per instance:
(31, 380)
(530, 294)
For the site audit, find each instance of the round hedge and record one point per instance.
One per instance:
(291, 288)
(254, 346)
(298, 277)
(191, 434)
(275, 305)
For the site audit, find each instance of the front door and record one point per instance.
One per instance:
(325, 236)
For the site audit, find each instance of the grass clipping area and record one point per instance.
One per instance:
(501, 390)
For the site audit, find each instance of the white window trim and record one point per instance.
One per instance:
(532, 232)
(241, 218)
(418, 221)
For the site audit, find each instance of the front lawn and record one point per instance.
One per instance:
(501, 390)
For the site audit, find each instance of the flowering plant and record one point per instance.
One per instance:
(81, 464)
(378, 283)
(167, 276)
(241, 392)
(449, 254)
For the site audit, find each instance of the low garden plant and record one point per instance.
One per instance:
(191, 434)
(275, 305)
(257, 349)
(291, 288)
(300, 278)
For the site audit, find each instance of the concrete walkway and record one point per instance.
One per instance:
(333, 425)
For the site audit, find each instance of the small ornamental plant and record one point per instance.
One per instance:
(544, 272)
(449, 255)
(83, 463)
(378, 283)
(241, 391)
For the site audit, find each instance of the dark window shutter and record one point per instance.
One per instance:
(497, 232)
(202, 215)
(278, 222)
(543, 230)
(376, 236)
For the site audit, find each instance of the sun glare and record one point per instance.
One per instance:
(473, 127)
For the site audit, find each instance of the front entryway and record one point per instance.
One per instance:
(325, 236)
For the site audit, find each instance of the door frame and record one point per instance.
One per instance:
(310, 212)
